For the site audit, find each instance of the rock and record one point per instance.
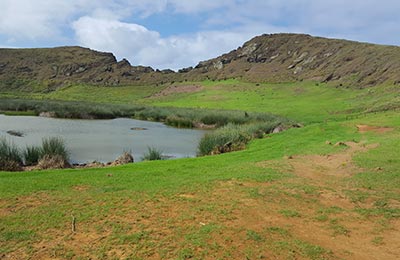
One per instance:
(309, 60)
(53, 162)
(301, 58)
(125, 158)
(94, 164)
(297, 70)
(47, 114)
(249, 49)
(288, 157)
(278, 129)
(185, 70)
(139, 128)
(15, 133)
(340, 144)
(218, 65)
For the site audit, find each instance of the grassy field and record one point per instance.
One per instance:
(292, 195)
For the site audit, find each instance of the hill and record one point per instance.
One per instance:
(294, 57)
(266, 58)
(52, 67)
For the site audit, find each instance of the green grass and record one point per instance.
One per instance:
(307, 102)
(152, 154)
(234, 205)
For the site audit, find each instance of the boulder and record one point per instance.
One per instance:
(278, 129)
(125, 158)
(53, 162)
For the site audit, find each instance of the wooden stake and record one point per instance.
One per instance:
(73, 224)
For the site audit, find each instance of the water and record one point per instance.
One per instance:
(103, 140)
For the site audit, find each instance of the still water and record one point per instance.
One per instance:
(103, 140)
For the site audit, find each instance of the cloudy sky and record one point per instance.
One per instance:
(180, 33)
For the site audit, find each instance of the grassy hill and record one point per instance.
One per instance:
(296, 57)
(275, 58)
(328, 190)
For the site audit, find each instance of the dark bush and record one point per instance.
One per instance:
(54, 146)
(152, 154)
(32, 155)
(10, 156)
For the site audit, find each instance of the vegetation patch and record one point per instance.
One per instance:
(234, 137)
(10, 156)
(152, 154)
(52, 154)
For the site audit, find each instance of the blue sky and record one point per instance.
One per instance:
(180, 33)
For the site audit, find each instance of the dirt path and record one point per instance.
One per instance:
(172, 90)
(346, 233)
(338, 165)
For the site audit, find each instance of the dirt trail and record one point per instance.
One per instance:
(376, 129)
(171, 90)
(326, 173)
(339, 165)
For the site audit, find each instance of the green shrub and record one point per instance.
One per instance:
(226, 139)
(233, 137)
(54, 146)
(152, 154)
(10, 156)
(32, 155)
(179, 122)
(215, 119)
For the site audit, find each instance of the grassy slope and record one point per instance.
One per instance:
(228, 206)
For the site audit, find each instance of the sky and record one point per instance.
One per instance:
(179, 33)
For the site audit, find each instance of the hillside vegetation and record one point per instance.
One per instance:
(267, 58)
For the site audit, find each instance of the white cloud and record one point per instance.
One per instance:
(198, 6)
(34, 20)
(142, 46)
(112, 35)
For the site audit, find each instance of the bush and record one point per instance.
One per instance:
(32, 155)
(10, 156)
(153, 154)
(226, 139)
(54, 146)
(179, 122)
(233, 137)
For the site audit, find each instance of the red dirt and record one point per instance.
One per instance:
(177, 90)
(376, 129)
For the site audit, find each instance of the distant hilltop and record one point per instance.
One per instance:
(265, 58)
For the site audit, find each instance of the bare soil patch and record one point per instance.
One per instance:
(171, 90)
(339, 165)
(376, 129)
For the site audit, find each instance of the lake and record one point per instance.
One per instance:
(103, 140)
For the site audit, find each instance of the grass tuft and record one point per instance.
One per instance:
(10, 156)
(153, 154)
(32, 155)
(54, 146)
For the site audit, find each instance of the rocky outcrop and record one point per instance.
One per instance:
(296, 57)
(52, 162)
(125, 158)
(265, 58)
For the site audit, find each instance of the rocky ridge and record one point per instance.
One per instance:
(265, 58)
